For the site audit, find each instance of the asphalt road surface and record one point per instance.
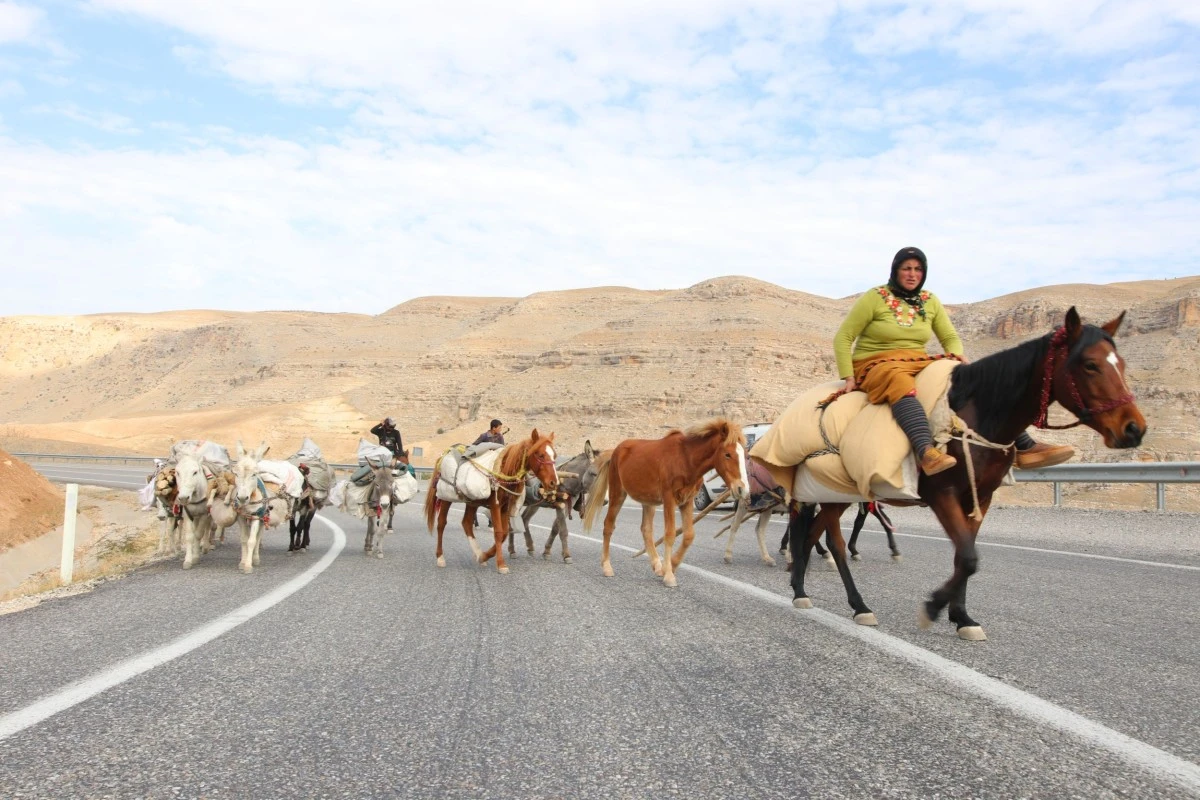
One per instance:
(333, 674)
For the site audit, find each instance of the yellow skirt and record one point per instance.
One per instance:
(887, 377)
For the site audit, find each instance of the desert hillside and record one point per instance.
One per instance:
(604, 363)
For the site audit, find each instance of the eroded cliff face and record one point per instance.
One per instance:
(603, 364)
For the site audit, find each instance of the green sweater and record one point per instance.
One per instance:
(879, 323)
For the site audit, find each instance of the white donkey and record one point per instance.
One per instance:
(256, 504)
(193, 499)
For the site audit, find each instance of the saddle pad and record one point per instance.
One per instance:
(404, 488)
(873, 448)
(355, 499)
(284, 473)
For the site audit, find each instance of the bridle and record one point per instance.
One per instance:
(1059, 352)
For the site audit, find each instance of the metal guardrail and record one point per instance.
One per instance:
(1159, 473)
(423, 473)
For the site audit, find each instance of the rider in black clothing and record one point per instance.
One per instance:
(389, 437)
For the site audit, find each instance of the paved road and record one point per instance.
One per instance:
(394, 678)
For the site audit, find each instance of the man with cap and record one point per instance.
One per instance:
(492, 435)
(389, 437)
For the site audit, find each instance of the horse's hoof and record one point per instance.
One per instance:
(972, 633)
(728, 559)
(502, 570)
(866, 619)
(829, 560)
(608, 571)
(566, 559)
(441, 562)
(897, 557)
(855, 557)
(923, 620)
(802, 602)
(670, 582)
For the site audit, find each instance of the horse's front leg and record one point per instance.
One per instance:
(686, 510)
(648, 538)
(962, 532)
(500, 524)
(669, 560)
(801, 533)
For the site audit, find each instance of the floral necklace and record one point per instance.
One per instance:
(906, 311)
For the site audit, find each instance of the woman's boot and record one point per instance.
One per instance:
(910, 416)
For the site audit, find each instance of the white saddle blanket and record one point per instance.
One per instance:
(461, 479)
(287, 475)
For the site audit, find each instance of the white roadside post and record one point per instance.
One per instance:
(68, 549)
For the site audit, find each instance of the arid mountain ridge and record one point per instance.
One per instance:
(605, 363)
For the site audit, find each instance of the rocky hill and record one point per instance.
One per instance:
(604, 363)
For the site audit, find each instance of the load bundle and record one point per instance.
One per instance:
(465, 478)
(849, 450)
(321, 476)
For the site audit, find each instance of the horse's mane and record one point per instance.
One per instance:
(512, 457)
(706, 430)
(996, 382)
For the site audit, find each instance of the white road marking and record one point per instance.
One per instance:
(980, 543)
(1158, 762)
(87, 688)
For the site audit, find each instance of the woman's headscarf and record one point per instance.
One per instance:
(903, 255)
(910, 296)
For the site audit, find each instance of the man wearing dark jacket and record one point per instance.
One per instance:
(492, 435)
(389, 437)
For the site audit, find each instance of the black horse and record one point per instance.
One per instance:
(996, 397)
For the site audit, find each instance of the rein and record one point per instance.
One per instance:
(1058, 348)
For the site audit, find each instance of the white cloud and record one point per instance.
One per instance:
(504, 149)
(18, 23)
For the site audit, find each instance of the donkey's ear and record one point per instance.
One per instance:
(587, 449)
(1111, 326)
(1073, 324)
(241, 451)
(259, 453)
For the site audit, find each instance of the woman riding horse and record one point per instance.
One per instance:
(888, 328)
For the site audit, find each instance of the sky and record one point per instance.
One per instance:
(348, 156)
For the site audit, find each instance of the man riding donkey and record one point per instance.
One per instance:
(888, 328)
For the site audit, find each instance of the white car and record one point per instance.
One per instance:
(713, 486)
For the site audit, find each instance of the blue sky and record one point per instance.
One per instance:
(349, 156)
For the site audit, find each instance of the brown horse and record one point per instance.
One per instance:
(535, 456)
(666, 472)
(996, 398)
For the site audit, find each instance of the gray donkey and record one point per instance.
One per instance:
(576, 476)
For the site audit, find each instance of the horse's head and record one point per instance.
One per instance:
(729, 456)
(539, 460)
(245, 470)
(1090, 381)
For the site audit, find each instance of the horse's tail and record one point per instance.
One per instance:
(431, 500)
(596, 496)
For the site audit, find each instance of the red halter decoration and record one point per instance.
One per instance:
(1058, 346)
